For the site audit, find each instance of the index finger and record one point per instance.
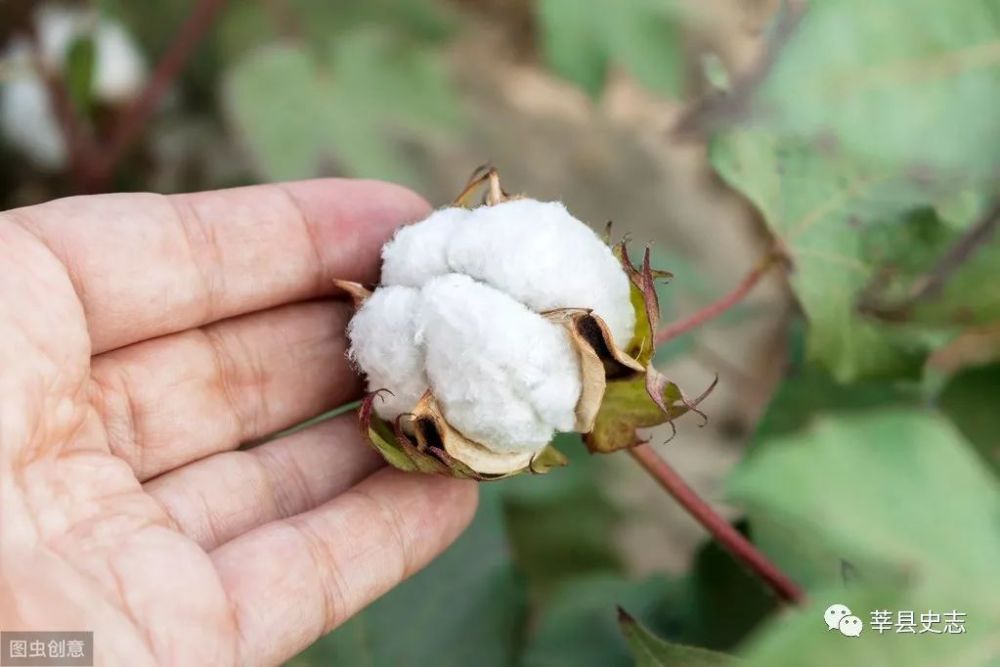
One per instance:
(145, 265)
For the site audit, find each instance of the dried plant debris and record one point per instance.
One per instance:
(498, 325)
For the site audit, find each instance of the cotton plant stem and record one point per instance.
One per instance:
(130, 127)
(720, 306)
(719, 528)
(80, 145)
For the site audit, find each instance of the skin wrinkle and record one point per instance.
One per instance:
(294, 479)
(130, 614)
(101, 586)
(334, 591)
(126, 445)
(395, 523)
(192, 228)
(323, 281)
(227, 360)
(22, 219)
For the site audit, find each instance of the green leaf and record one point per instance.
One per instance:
(651, 651)
(562, 527)
(79, 72)
(298, 112)
(892, 492)
(970, 295)
(578, 628)
(969, 400)
(906, 83)
(808, 393)
(582, 41)
(465, 608)
(899, 487)
(838, 221)
(725, 601)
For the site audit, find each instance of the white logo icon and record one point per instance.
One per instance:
(834, 614)
(851, 626)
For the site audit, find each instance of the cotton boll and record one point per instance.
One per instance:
(120, 70)
(419, 252)
(503, 375)
(385, 344)
(27, 119)
(546, 259)
(28, 124)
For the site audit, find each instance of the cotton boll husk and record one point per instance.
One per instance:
(503, 375)
(419, 252)
(385, 344)
(534, 251)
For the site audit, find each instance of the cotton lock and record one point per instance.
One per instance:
(463, 312)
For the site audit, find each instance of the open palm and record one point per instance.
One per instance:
(143, 339)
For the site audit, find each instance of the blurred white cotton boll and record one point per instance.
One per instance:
(27, 119)
(502, 374)
(119, 69)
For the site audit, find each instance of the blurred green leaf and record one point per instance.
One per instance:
(808, 395)
(316, 25)
(582, 41)
(970, 295)
(906, 83)
(579, 627)
(561, 527)
(839, 222)
(725, 601)
(897, 488)
(465, 608)
(296, 112)
(651, 651)
(79, 72)
(969, 399)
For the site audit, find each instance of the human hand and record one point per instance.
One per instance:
(143, 339)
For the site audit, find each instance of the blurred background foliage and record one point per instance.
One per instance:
(855, 436)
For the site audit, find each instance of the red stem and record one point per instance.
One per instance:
(721, 530)
(80, 145)
(718, 307)
(134, 119)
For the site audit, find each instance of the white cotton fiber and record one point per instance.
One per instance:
(502, 374)
(419, 252)
(385, 344)
(459, 312)
(534, 251)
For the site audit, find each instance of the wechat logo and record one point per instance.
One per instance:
(839, 617)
